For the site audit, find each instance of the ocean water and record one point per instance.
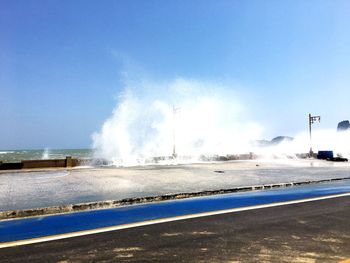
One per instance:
(19, 155)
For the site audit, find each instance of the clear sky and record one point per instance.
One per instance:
(61, 61)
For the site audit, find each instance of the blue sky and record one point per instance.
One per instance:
(62, 62)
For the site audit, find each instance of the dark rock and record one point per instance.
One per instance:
(343, 126)
(280, 139)
(338, 159)
(275, 141)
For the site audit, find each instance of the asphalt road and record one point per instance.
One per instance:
(316, 231)
(52, 227)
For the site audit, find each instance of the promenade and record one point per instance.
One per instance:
(54, 187)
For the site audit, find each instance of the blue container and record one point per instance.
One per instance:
(323, 155)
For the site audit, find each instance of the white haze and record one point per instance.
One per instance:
(46, 154)
(210, 120)
(322, 140)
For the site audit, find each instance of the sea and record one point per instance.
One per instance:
(41, 154)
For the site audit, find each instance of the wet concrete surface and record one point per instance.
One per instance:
(308, 232)
(34, 212)
(45, 188)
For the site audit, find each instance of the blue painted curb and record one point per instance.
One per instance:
(20, 229)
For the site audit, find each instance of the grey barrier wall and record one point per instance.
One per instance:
(50, 163)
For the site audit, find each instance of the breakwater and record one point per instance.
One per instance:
(73, 161)
(49, 163)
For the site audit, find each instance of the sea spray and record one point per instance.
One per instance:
(209, 120)
(46, 154)
(322, 140)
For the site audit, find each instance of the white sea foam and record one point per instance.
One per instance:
(208, 119)
(6, 152)
(46, 154)
(200, 119)
(322, 139)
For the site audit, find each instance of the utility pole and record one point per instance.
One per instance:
(175, 110)
(312, 120)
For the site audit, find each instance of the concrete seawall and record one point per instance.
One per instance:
(48, 163)
(73, 162)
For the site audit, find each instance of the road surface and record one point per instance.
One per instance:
(314, 231)
(306, 232)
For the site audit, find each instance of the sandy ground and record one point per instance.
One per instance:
(31, 189)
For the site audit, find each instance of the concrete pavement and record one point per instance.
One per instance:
(26, 190)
